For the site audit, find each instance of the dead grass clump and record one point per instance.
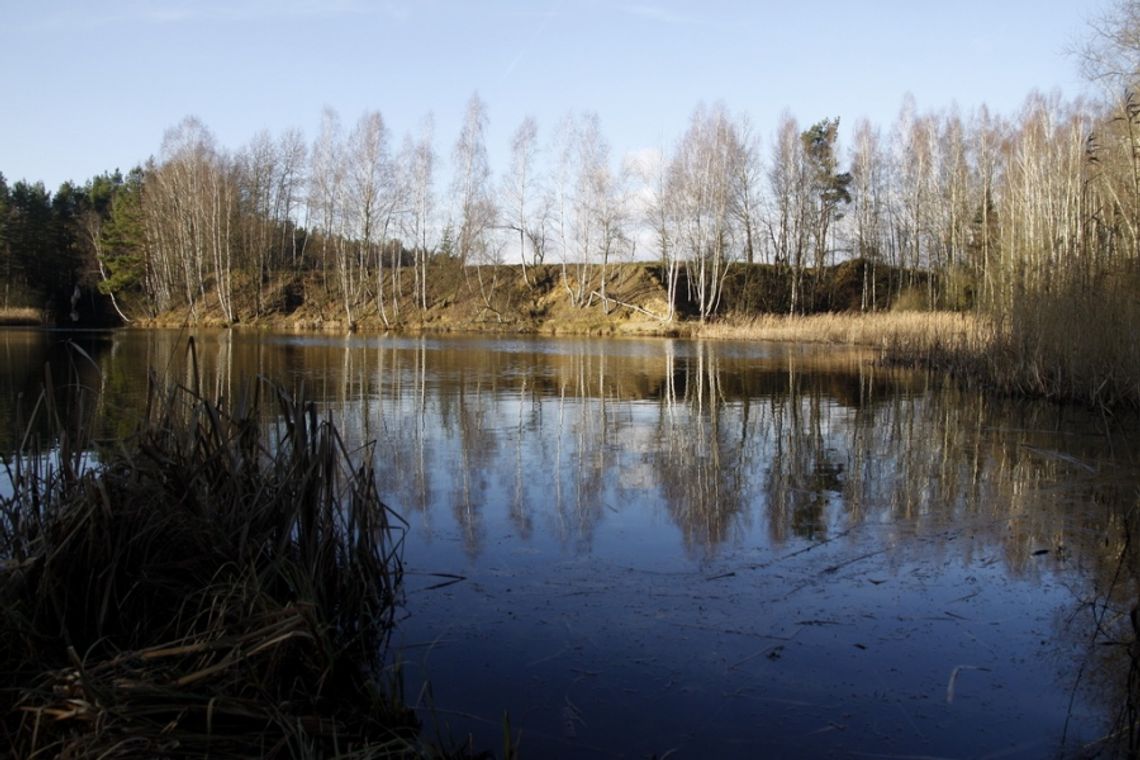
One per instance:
(15, 315)
(204, 587)
(898, 332)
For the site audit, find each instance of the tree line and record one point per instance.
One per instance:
(965, 210)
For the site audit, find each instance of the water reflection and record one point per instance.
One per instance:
(724, 438)
(814, 473)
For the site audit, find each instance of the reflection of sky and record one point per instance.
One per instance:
(43, 468)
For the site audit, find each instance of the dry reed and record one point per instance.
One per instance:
(17, 315)
(1079, 342)
(1079, 347)
(901, 331)
(205, 587)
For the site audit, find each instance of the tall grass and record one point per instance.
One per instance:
(1076, 339)
(1075, 343)
(901, 331)
(21, 315)
(213, 585)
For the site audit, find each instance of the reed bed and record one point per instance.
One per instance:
(901, 331)
(18, 315)
(1081, 347)
(1079, 342)
(215, 585)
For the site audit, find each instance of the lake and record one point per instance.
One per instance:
(706, 549)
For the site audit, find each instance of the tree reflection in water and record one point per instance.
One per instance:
(533, 464)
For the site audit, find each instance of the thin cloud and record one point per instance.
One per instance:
(644, 161)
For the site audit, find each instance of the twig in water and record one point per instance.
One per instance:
(730, 574)
(835, 568)
(451, 580)
(954, 680)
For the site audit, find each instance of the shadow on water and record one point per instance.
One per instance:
(720, 548)
(64, 364)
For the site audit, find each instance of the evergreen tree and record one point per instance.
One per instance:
(829, 186)
(122, 261)
(29, 240)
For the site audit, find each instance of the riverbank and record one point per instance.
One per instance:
(1073, 347)
(631, 298)
(1097, 371)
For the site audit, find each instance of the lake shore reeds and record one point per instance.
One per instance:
(203, 588)
(1080, 349)
(900, 331)
(14, 316)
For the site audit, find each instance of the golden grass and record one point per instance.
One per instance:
(21, 315)
(1078, 348)
(1075, 342)
(903, 331)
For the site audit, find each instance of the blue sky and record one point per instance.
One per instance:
(91, 86)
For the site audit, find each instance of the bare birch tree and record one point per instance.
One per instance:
(257, 169)
(287, 196)
(471, 185)
(327, 211)
(419, 161)
(702, 182)
(747, 180)
(869, 178)
(188, 212)
(985, 137)
(374, 199)
(788, 222)
(1111, 53)
(658, 215)
(914, 142)
(520, 186)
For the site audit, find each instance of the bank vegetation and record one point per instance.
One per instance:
(202, 588)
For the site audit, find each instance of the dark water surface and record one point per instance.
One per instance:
(641, 547)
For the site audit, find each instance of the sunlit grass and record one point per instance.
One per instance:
(1083, 349)
(895, 330)
(18, 315)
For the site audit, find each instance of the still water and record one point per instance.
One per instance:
(667, 547)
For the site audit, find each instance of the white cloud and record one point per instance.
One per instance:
(645, 162)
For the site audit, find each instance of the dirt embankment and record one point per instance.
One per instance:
(631, 299)
(486, 299)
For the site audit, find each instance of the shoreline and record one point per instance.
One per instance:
(972, 348)
(882, 329)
